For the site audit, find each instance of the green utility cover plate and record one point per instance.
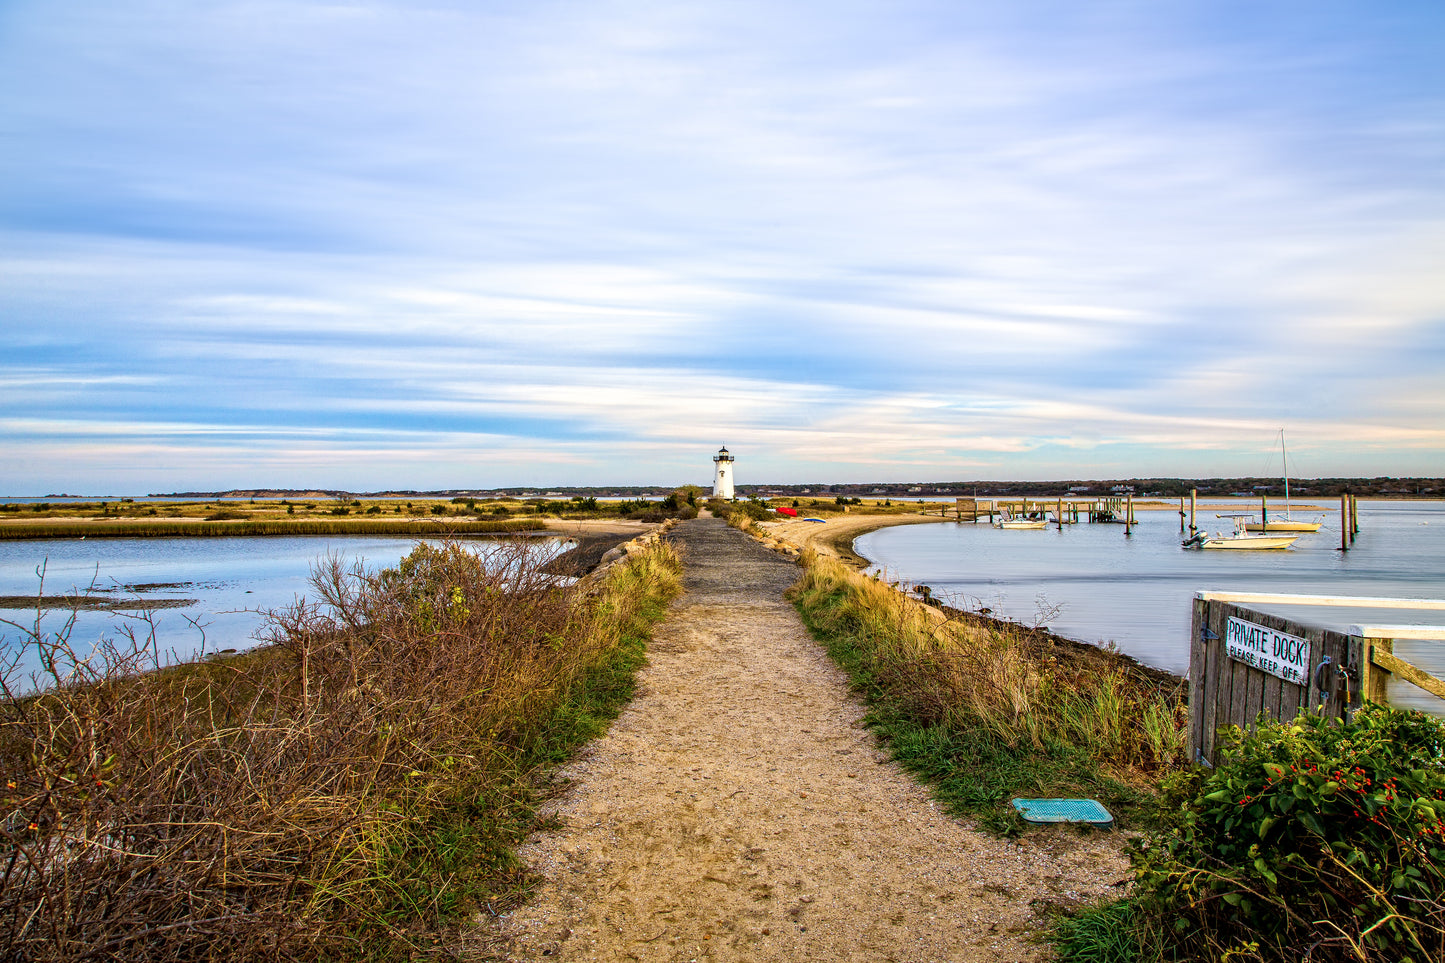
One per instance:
(1089, 811)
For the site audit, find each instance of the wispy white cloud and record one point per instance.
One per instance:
(936, 240)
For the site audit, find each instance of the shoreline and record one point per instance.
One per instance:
(593, 539)
(835, 538)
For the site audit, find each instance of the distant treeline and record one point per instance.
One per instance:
(1165, 487)
(1170, 487)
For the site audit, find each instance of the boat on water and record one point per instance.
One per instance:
(1285, 522)
(1241, 538)
(1009, 520)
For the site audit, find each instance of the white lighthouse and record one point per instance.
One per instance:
(722, 478)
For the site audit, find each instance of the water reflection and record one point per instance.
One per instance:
(201, 592)
(1101, 586)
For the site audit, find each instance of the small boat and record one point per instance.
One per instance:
(1240, 539)
(820, 521)
(1282, 523)
(1007, 520)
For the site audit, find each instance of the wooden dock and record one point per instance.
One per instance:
(1060, 510)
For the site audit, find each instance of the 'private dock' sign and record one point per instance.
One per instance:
(1286, 656)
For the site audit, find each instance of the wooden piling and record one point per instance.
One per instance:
(1344, 523)
(1264, 511)
(1129, 514)
(1193, 499)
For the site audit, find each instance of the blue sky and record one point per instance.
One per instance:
(445, 244)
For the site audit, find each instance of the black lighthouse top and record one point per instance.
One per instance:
(722, 455)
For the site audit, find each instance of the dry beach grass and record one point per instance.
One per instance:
(340, 794)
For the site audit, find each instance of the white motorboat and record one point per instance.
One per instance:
(1240, 538)
(1007, 520)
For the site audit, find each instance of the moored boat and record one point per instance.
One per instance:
(1285, 522)
(1240, 539)
(1008, 520)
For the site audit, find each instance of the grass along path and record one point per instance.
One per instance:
(739, 809)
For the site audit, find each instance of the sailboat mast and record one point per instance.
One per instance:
(1284, 460)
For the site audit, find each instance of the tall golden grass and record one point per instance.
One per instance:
(967, 674)
(320, 796)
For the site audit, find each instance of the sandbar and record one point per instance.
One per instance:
(835, 536)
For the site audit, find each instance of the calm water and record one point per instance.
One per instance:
(1091, 582)
(232, 580)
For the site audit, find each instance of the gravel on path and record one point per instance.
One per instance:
(739, 809)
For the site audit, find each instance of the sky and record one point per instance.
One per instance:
(431, 245)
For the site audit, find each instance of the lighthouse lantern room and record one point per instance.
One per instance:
(722, 478)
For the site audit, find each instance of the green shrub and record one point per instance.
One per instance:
(1310, 839)
(755, 511)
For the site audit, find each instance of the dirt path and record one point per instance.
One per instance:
(739, 810)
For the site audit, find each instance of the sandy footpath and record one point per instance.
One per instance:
(739, 810)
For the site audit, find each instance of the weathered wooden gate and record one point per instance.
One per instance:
(1246, 663)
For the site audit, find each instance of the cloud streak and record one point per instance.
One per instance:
(426, 245)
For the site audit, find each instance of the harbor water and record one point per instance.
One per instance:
(228, 584)
(1093, 583)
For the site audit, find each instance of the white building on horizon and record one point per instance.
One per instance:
(722, 477)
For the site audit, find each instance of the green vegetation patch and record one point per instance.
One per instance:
(1310, 839)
